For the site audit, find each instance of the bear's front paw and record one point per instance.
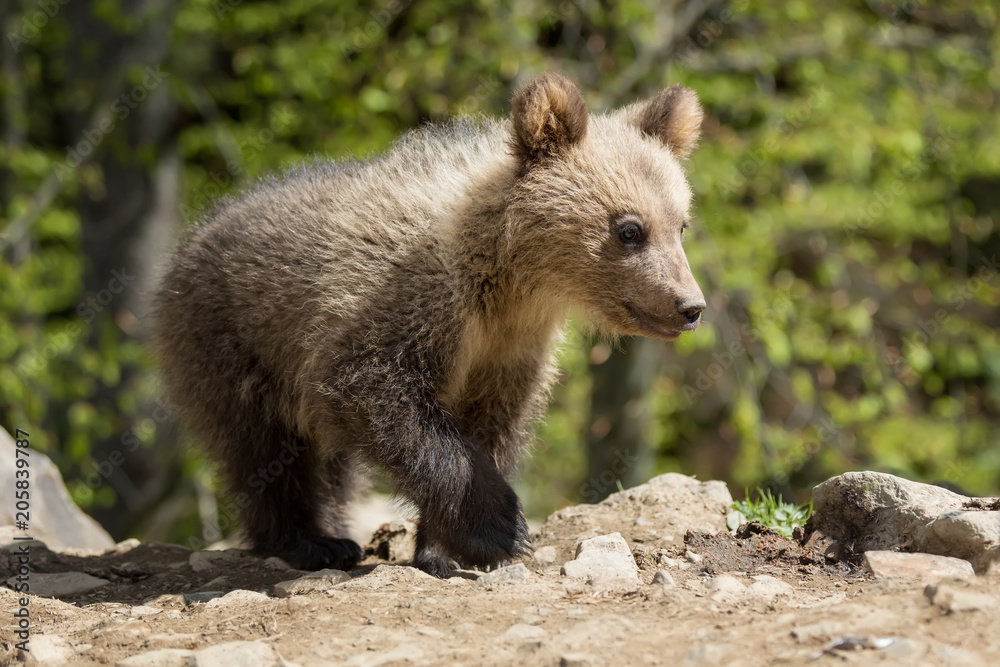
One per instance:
(491, 527)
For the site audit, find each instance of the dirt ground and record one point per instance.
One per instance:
(751, 599)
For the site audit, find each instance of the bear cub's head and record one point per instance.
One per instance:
(603, 202)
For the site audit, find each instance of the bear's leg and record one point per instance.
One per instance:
(289, 499)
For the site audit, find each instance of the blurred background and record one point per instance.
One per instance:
(847, 226)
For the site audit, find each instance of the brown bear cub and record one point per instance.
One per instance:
(402, 312)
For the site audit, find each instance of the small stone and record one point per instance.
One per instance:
(125, 546)
(893, 565)
(245, 654)
(62, 584)
(766, 588)
(167, 657)
(545, 555)
(46, 650)
(521, 632)
(663, 578)
(316, 582)
(725, 588)
(692, 557)
(517, 573)
(604, 558)
(952, 599)
(236, 597)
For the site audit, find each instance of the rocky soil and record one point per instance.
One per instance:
(649, 576)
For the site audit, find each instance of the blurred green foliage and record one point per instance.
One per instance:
(847, 230)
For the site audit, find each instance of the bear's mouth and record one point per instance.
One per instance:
(655, 327)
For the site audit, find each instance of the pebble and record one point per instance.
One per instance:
(46, 650)
(766, 588)
(143, 610)
(62, 584)
(315, 582)
(237, 596)
(954, 599)
(725, 588)
(517, 573)
(603, 559)
(894, 565)
(692, 557)
(545, 555)
(663, 578)
(522, 632)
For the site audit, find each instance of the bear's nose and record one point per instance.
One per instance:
(691, 309)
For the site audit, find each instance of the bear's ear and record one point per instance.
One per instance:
(548, 114)
(674, 117)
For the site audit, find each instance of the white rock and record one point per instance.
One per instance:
(663, 578)
(516, 573)
(142, 610)
(971, 534)
(244, 654)
(873, 511)
(522, 632)
(235, 597)
(545, 555)
(47, 650)
(603, 557)
(767, 588)
(314, 582)
(894, 565)
(55, 518)
(725, 588)
(166, 657)
(62, 584)
(953, 599)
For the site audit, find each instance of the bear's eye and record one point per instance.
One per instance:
(630, 233)
(683, 227)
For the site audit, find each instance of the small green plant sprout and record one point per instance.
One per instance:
(769, 510)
